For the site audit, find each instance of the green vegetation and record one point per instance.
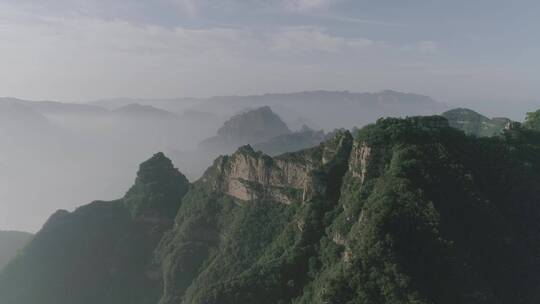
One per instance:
(473, 123)
(532, 121)
(101, 252)
(157, 189)
(409, 211)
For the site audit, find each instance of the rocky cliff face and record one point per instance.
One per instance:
(360, 157)
(379, 220)
(249, 175)
(409, 211)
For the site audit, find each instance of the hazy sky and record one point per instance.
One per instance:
(76, 50)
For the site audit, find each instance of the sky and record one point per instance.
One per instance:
(455, 51)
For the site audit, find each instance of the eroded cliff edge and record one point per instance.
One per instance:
(409, 211)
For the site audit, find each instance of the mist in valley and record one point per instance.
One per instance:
(63, 155)
(276, 151)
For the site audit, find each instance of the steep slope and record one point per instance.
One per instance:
(10, 244)
(474, 123)
(251, 224)
(101, 252)
(412, 212)
(408, 211)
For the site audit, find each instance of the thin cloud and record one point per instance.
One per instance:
(345, 19)
(308, 5)
(426, 47)
(310, 39)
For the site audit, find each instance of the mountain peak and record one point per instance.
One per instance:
(255, 125)
(250, 127)
(158, 189)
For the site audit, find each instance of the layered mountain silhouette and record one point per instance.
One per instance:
(260, 127)
(255, 126)
(327, 109)
(403, 211)
(15, 115)
(136, 110)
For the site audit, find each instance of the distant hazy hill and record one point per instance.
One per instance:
(57, 108)
(10, 243)
(260, 127)
(136, 110)
(303, 139)
(474, 123)
(175, 105)
(251, 127)
(46, 147)
(328, 109)
(49, 149)
(14, 113)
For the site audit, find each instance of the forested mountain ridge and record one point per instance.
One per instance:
(67, 138)
(101, 252)
(403, 211)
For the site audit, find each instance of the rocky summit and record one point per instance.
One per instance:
(403, 211)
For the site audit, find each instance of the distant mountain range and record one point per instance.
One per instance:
(329, 109)
(15, 113)
(54, 107)
(326, 109)
(136, 110)
(106, 138)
